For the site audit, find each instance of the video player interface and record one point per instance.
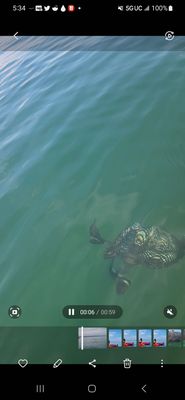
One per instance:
(92, 192)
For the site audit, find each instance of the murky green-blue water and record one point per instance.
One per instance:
(88, 135)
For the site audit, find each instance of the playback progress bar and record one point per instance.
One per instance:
(92, 312)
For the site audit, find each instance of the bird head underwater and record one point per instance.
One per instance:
(139, 245)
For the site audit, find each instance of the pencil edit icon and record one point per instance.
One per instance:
(57, 363)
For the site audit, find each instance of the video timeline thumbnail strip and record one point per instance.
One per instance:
(112, 338)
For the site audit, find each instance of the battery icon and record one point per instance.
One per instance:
(170, 8)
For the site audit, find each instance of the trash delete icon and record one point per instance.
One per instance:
(127, 363)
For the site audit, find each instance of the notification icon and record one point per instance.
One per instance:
(71, 8)
(63, 9)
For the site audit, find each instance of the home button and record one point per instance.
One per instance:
(91, 388)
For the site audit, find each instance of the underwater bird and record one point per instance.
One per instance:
(139, 245)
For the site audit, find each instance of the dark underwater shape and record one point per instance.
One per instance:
(95, 236)
(122, 285)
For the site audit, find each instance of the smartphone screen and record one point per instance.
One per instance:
(92, 198)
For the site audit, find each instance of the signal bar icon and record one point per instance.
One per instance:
(71, 311)
(147, 8)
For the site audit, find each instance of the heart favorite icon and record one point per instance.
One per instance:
(23, 363)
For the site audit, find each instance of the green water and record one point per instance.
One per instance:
(88, 135)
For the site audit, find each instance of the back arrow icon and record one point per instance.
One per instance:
(92, 363)
(15, 36)
(144, 388)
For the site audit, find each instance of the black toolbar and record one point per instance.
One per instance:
(91, 18)
(86, 381)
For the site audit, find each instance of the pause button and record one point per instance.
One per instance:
(39, 388)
